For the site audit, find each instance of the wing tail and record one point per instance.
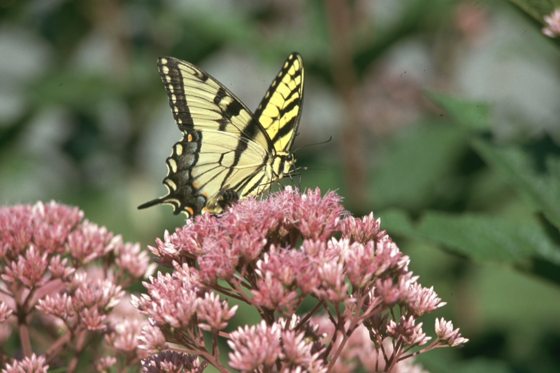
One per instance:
(151, 203)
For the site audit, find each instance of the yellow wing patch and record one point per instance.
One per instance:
(280, 109)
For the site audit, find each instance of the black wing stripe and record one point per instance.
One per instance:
(285, 130)
(251, 131)
(241, 185)
(175, 74)
(289, 107)
(182, 115)
(280, 109)
(233, 109)
(291, 97)
(290, 61)
(203, 185)
(219, 96)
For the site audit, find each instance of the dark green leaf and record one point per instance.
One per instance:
(484, 238)
(411, 170)
(470, 115)
(542, 189)
(397, 222)
(482, 365)
(536, 8)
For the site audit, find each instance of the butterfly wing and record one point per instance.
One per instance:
(223, 152)
(280, 109)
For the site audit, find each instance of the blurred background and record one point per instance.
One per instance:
(445, 119)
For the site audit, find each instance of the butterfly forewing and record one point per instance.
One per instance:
(199, 101)
(280, 109)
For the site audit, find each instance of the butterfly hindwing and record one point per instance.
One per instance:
(197, 170)
(226, 152)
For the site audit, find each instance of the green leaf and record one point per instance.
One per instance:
(536, 8)
(542, 189)
(469, 115)
(485, 238)
(396, 221)
(482, 365)
(412, 166)
(73, 89)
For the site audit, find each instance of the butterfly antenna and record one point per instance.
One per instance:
(314, 144)
(269, 182)
(298, 172)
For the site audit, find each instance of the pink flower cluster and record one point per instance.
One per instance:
(552, 24)
(333, 292)
(62, 283)
(33, 363)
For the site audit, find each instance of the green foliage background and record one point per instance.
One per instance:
(444, 117)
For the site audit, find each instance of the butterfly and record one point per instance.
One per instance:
(226, 152)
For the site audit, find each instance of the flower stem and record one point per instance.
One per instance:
(309, 314)
(24, 338)
(57, 345)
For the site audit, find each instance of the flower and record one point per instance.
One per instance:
(28, 269)
(171, 300)
(151, 340)
(448, 335)
(552, 24)
(263, 347)
(292, 258)
(213, 314)
(32, 364)
(255, 347)
(407, 331)
(172, 362)
(362, 230)
(125, 333)
(105, 363)
(130, 258)
(422, 300)
(90, 242)
(5, 312)
(278, 273)
(45, 226)
(57, 305)
(67, 275)
(361, 354)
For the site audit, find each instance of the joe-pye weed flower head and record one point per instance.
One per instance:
(63, 283)
(318, 278)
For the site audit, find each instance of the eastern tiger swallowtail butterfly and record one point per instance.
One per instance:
(227, 152)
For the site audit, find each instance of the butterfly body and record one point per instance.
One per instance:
(227, 152)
